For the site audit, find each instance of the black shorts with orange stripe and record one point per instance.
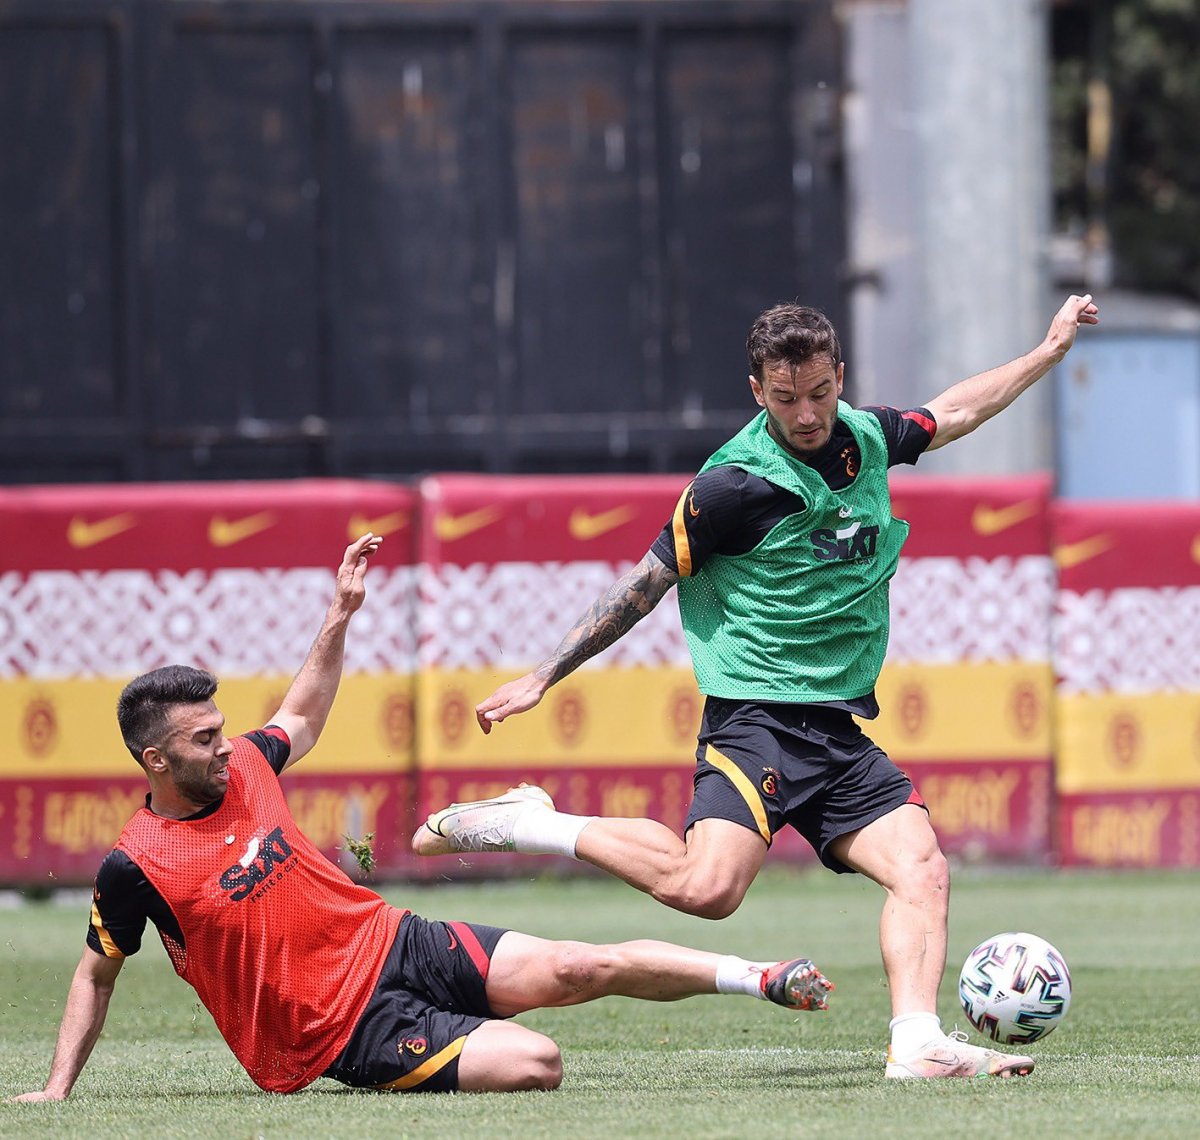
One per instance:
(766, 766)
(431, 993)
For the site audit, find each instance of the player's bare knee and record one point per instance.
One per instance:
(542, 1069)
(936, 873)
(552, 1072)
(926, 877)
(580, 969)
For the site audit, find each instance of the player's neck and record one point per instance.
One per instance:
(169, 803)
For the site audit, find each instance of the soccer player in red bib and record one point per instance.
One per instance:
(306, 973)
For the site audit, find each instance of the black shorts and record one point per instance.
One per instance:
(812, 768)
(430, 995)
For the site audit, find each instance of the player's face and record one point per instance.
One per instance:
(197, 752)
(801, 402)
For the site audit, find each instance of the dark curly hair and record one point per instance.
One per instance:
(791, 334)
(143, 704)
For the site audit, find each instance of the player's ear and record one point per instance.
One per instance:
(153, 760)
(757, 389)
(841, 376)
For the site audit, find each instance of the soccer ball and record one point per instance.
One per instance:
(1015, 988)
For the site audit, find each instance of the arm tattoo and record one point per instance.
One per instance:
(629, 599)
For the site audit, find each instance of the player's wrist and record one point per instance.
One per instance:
(338, 616)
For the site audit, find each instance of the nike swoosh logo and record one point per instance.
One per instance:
(453, 941)
(987, 521)
(448, 528)
(693, 510)
(222, 532)
(1073, 554)
(584, 525)
(382, 526)
(81, 534)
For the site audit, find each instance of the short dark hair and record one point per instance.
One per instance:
(143, 705)
(791, 334)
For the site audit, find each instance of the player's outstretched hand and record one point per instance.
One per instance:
(1076, 311)
(351, 589)
(34, 1097)
(514, 697)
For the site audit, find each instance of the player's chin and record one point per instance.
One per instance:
(807, 444)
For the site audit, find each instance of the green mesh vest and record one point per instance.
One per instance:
(803, 616)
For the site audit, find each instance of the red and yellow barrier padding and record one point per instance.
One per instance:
(508, 564)
(478, 579)
(1127, 654)
(98, 584)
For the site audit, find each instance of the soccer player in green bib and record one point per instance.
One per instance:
(782, 548)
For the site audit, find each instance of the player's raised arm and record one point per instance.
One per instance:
(629, 599)
(962, 408)
(83, 1018)
(306, 707)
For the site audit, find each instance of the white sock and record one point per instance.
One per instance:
(538, 832)
(737, 976)
(913, 1031)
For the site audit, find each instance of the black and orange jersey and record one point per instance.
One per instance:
(728, 511)
(281, 947)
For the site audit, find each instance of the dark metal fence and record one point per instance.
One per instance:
(279, 238)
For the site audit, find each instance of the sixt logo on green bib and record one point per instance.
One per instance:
(845, 545)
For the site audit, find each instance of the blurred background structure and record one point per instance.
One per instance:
(271, 271)
(325, 238)
(280, 237)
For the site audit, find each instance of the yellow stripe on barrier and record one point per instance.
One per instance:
(987, 710)
(59, 728)
(601, 718)
(1128, 742)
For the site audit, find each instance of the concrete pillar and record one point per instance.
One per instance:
(981, 182)
(881, 156)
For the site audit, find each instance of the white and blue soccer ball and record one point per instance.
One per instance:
(1015, 988)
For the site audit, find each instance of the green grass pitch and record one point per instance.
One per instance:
(1124, 1063)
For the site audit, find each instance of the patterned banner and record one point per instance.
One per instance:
(968, 681)
(1127, 654)
(99, 584)
(507, 565)
(481, 576)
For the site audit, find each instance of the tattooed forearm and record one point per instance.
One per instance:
(629, 599)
